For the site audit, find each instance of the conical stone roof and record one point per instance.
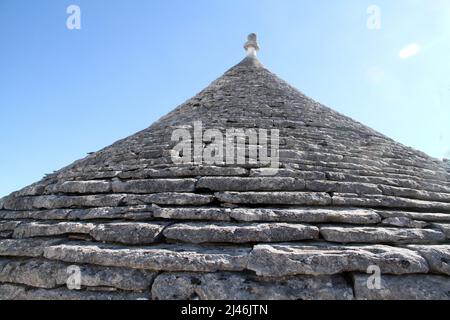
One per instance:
(128, 223)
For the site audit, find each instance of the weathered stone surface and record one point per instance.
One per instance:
(170, 199)
(422, 216)
(62, 202)
(50, 274)
(380, 235)
(250, 184)
(8, 225)
(212, 214)
(383, 201)
(162, 257)
(128, 232)
(25, 247)
(34, 273)
(275, 198)
(443, 227)
(80, 187)
(311, 215)
(438, 257)
(15, 292)
(121, 232)
(305, 175)
(407, 287)
(41, 229)
(404, 222)
(240, 233)
(192, 171)
(342, 187)
(229, 286)
(141, 212)
(154, 186)
(5, 234)
(415, 194)
(293, 259)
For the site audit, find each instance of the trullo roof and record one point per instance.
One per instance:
(128, 222)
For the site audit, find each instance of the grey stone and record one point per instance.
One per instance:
(275, 198)
(250, 184)
(25, 247)
(380, 235)
(63, 202)
(404, 222)
(170, 199)
(140, 212)
(41, 229)
(413, 193)
(423, 216)
(438, 257)
(15, 292)
(240, 233)
(443, 227)
(128, 232)
(293, 259)
(191, 171)
(156, 258)
(212, 214)
(305, 175)
(407, 287)
(311, 215)
(51, 274)
(8, 225)
(34, 273)
(81, 187)
(229, 286)
(388, 202)
(154, 186)
(342, 187)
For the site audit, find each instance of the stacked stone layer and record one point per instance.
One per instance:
(140, 227)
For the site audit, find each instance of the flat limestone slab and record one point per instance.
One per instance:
(128, 232)
(275, 198)
(115, 232)
(16, 292)
(49, 274)
(211, 214)
(250, 184)
(230, 286)
(155, 258)
(240, 233)
(26, 247)
(41, 229)
(438, 257)
(154, 186)
(380, 235)
(407, 287)
(141, 212)
(421, 216)
(296, 259)
(444, 227)
(311, 215)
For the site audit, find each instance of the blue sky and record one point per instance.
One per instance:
(64, 93)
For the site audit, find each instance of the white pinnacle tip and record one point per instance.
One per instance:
(251, 46)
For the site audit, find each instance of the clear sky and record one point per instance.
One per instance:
(64, 93)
